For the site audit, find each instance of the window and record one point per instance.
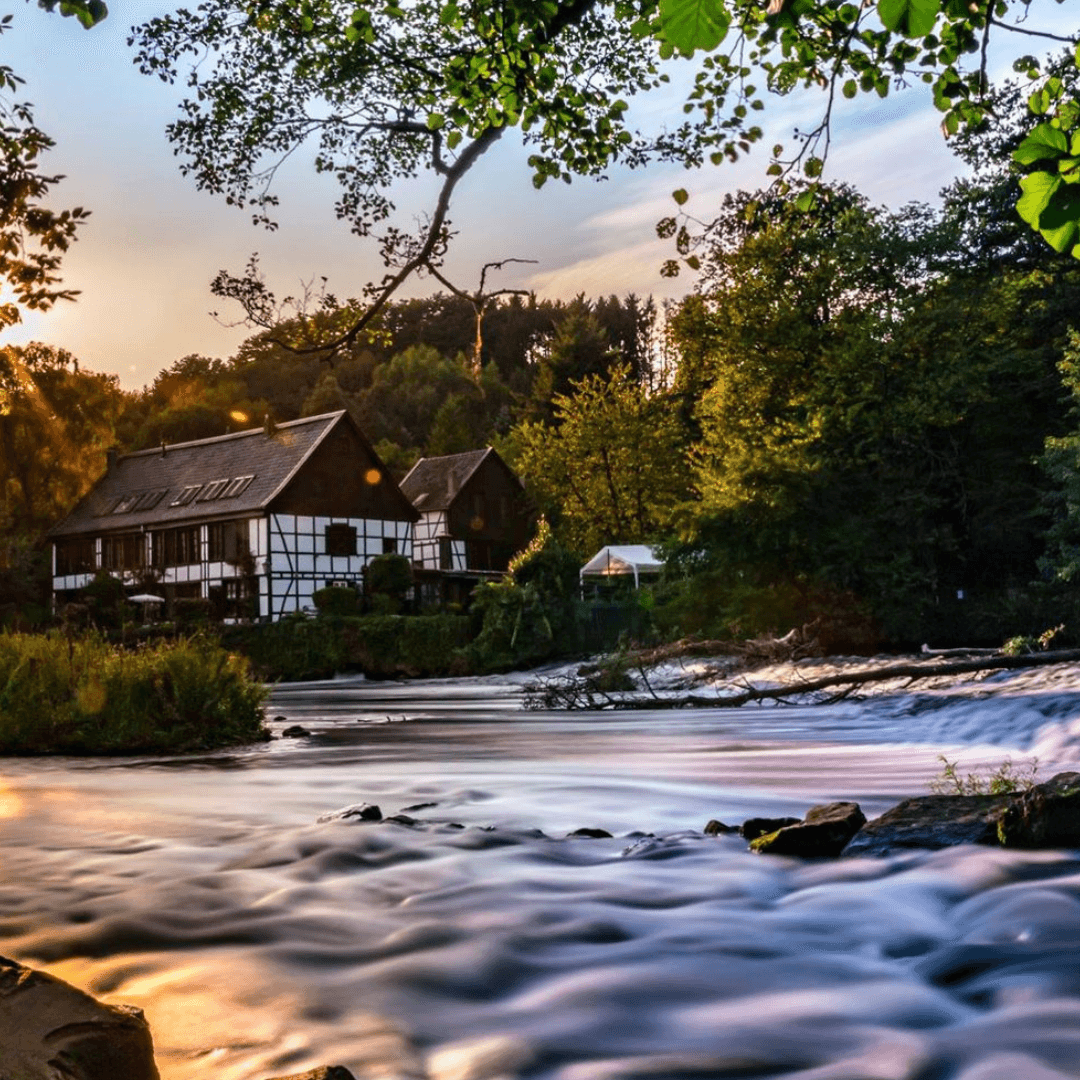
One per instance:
(389, 545)
(237, 486)
(141, 500)
(213, 490)
(124, 552)
(149, 499)
(227, 541)
(187, 495)
(176, 547)
(126, 503)
(75, 556)
(340, 540)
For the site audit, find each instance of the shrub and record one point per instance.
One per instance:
(192, 611)
(105, 600)
(336, 600)
(81, 695)
(382, 646)
(531, 616)
(389, 575)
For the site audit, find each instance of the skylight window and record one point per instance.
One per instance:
(149, 499)
(107, 507)
(126, 503)
(237, 486)
(213, 490)
(187, 495)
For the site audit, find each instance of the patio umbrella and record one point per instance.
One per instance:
(146, 598)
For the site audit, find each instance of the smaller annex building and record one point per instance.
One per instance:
(473, 518)
(255, 522)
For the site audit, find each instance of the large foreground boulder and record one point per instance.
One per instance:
(1046, 816)
(49, 1029)
(324, 1072)
(932, 822)
(824, 831)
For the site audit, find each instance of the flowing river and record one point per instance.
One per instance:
(481, 943)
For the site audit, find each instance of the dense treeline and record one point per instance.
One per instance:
(862, 418)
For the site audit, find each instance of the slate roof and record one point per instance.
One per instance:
(433, 483)
(154, 480)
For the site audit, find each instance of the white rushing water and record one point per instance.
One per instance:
(482, 943)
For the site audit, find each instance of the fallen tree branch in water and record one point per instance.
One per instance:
(582, 693)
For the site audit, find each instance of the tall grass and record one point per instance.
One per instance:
(82, 695)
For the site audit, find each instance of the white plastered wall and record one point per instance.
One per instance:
(297, 564)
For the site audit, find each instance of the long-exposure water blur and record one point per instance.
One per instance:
(475, 940)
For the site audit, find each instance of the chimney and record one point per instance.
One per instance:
(110, 458)
(269, 427)
(162, 447)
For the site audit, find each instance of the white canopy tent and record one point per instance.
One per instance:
(619, 559)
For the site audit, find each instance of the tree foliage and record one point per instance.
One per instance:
(56, 422)
(612, 464)
(847, 49)
(33, 236)
(391, 93)
(866, 410)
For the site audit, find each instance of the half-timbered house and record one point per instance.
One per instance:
(254, 522)
(474, 516)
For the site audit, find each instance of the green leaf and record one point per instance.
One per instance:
(1038, 189)
(1043, 142)
(680, 196)
(912, 18)
(805, 202)
(1069, 168)
(693, 24)
(850, 88)
(1059, 223)
(435, 121)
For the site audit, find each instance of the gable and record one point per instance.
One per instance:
(491, 505)
(344, 477)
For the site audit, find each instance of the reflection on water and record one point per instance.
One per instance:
(481, 942)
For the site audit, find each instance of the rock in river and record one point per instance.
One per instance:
(49, 1029)
(823, 832)
(932, 822)
(357, 812)
(761, 826)
(1046, 816)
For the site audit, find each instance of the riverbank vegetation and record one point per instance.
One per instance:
(380, 646)
(82, 695)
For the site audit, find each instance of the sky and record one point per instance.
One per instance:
(145, 258)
